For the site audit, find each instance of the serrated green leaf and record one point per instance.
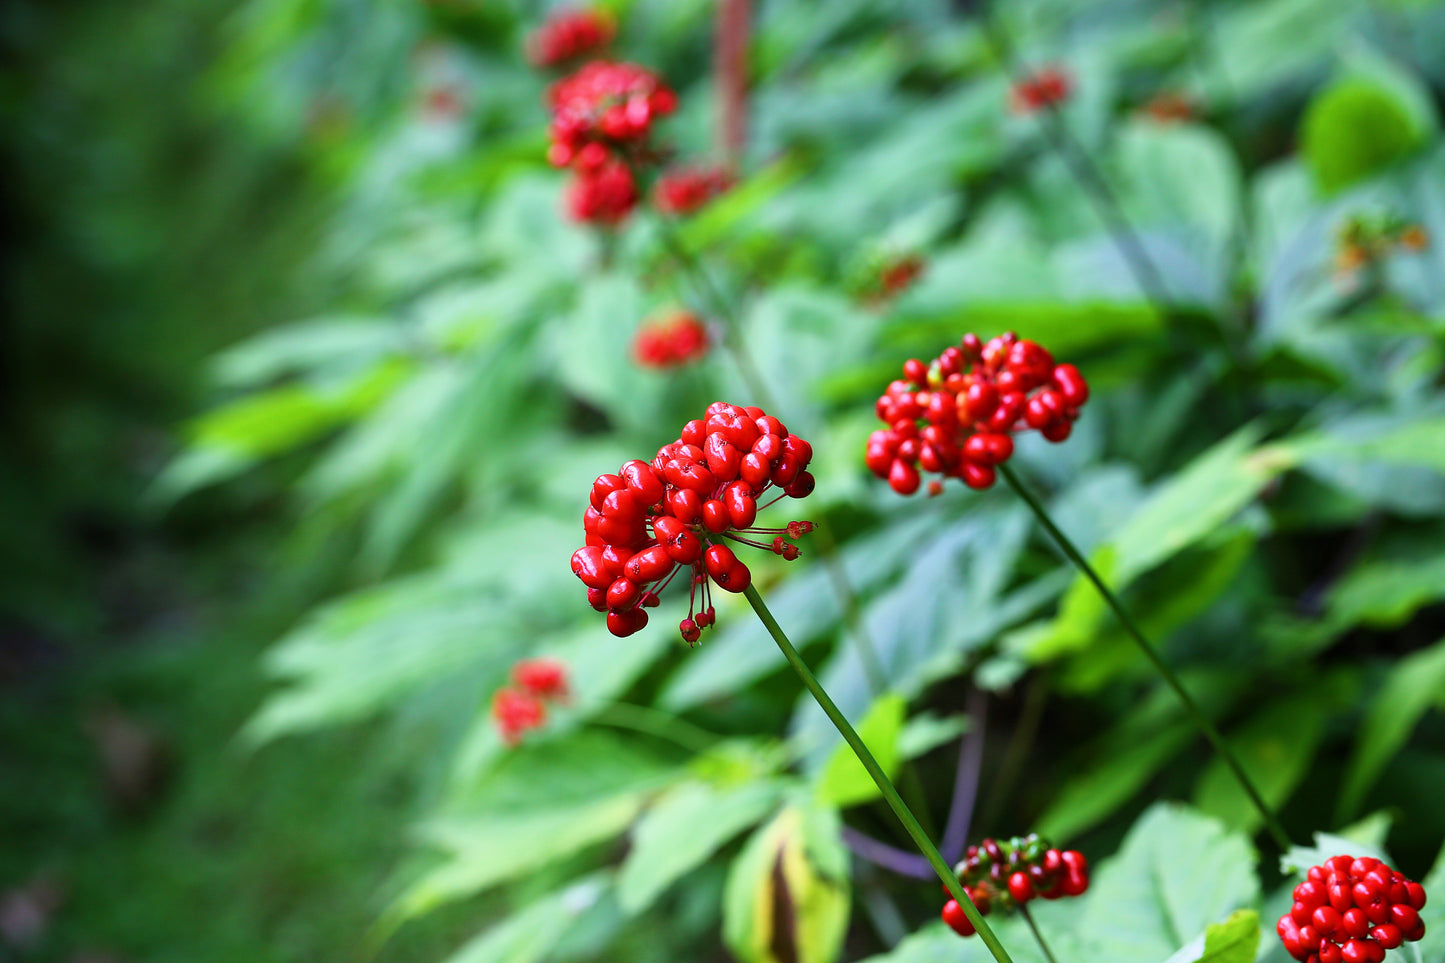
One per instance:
(1177, 872)
(843, 781)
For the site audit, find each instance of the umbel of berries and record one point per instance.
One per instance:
(569, 34)
(521, 707)
(956, 415)
(1004, 874)
(652, 521)
(602, 119)
(674, 340)
(1351, 910)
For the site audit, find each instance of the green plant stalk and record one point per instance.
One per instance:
(832, 565)
(1152, 654)
(1029, 919)
(885, 785)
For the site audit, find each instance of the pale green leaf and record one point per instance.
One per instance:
(843, 781)
(682, 830)
(1177, 872)
(1236, 940)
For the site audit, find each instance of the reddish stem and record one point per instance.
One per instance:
(732, 79)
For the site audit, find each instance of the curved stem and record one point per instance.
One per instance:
(1152, 654)
(889, 857)
(1028, 918)
(655, 722)
(965, 781)
(885, 785)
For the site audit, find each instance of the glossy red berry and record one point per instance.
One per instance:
(569, 34)
(688, 189)
(956, 919)
(1007, 873)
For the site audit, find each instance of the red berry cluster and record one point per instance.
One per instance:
(605, 108)
(1045, 88)
(652, 520)
(1009, 873)
(954, 416)
(602, 195)
(521, 707)
(675, 340)
(601, 119)
(568, 34)
(1351, 911)
(686, 189)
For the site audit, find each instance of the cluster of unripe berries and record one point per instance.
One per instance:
(1365, 239)
(1045, 88)
(686, 189)
(1004, 874)
(522, 706)
(651, 521)
(602, 119)
(1351, 911)
(677, 339)
(569, 34)
(955, 415)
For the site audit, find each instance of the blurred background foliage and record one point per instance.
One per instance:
(306, 376)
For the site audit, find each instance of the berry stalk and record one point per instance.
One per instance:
(1125, 619)
(885, 785)
(1038, 935)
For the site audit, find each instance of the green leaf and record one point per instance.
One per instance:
(1276, 747)
(779, 893)
(1196, 501)
(843, 781)
(1355, 129)
(1180, 176)
(1177, 872)
(1414, 685)
(529, 935)
(1364, 838)
(1128, 757)
(1236, 940)
(925, 732)
(682, 830)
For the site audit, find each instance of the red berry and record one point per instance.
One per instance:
(1020, 887)
(903, 477)
(956, 919)
(623, 624)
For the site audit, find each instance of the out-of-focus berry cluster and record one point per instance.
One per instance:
(1004, 874)
(1365, 240)
(677, 339)
(685, 190)
(1351, 910)
(568, 35)
(651, 521)
(955, 416)
(602, 119)
(522, 706)
(1044, 88)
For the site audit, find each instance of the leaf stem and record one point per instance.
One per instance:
(1038, 935)
(885, 785)
(1152, 654)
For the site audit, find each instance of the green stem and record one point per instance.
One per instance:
(757, 385)
(1152, 654)
(1039, 936)
(655, 722)
(885, 785)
